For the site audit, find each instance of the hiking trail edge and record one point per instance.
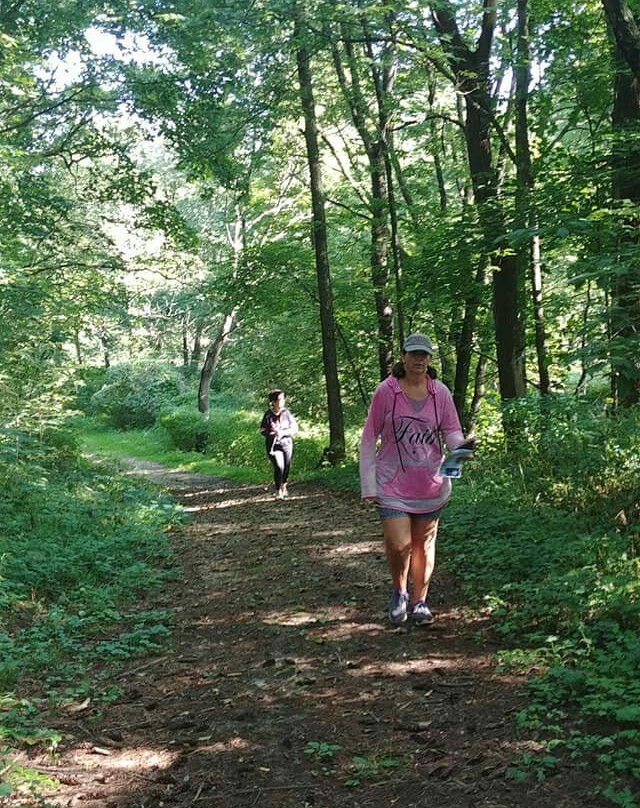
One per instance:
(284, 685)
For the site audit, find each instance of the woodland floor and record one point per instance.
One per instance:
(281, 641)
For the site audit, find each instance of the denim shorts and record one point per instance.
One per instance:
(392, 513)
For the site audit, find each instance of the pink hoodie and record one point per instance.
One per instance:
(403, 472)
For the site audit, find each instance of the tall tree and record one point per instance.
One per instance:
(529, 251)
(471, 70)
(625, 288)
(371, 115)
(336, 449)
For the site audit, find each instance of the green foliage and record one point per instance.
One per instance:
(84, 383)
(234, 439)
(321, 749)
(545, 537)
(133, 395)
(16, 779)
(78, 546)
(187, 429)
(368, 768)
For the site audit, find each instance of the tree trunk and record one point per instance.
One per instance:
(624, 318)
(378, 154)
(471, 70)
(196, 351)
(78, 347)
(396, 249)
(625, 31)
(185, 343)
(529, 253)
(478, 394)
(336, 449)
(211, 361)
(464, 345)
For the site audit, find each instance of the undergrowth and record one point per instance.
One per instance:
(546, 538)
(78, 547)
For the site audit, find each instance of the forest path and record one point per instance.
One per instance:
(284, 686)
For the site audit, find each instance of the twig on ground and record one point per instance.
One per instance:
(141, 667)
(269, 788)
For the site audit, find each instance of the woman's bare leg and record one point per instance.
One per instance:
(422, 555)
(397, 540)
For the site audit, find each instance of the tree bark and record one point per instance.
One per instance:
(478, 394)
(626, 32)
(336, 449)
(529, 253)
(378, 155)
(196, 350)
(211, 360)
(624, 318)
(471, 69)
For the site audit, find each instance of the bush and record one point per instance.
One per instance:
(83, 384)
(133, 395)
(234, 438)
(186, 428)
(546, 537)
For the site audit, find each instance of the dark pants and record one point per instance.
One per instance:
(280, 458)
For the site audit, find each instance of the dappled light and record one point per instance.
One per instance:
(345, 550)
(284, 677)
(301, 617)
(136, 759)
(411, 667)
(268, 271)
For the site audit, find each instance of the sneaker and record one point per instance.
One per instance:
(279, 494)
(284, 491)
(398, 607)
(421, 613)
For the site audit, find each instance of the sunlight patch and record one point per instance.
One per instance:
(236, 744)
(233, 503)
(301, 618)
(132, 758)
(344, 630)
(406, 667)
(342, 550)
(329, 534)
(201, 492)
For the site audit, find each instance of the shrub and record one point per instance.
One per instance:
(134, 394)
(186, 428)
(234, 438)
(83, 384)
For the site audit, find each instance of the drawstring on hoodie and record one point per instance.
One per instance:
(395, 431)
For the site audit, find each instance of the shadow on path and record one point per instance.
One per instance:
(284, 686)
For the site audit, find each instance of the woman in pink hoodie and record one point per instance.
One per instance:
(410, 414)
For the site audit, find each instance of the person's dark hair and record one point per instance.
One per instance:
(399, 371)
(274, 394)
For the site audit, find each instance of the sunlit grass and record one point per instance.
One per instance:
(152, 445)
(149, 444)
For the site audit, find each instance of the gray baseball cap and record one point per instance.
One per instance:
(417, 342)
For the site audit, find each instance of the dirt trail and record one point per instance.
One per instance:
(284, 686)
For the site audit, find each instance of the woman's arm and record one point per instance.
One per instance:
(290, 430)
(368, 444)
